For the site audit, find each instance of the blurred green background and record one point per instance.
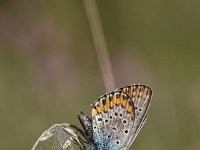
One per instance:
(49, 68)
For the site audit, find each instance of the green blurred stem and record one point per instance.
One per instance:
(100, 44)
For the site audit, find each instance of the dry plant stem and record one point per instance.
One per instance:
(100, 44)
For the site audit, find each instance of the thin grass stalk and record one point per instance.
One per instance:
(100, 44)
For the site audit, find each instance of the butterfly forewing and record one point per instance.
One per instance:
(141, 96)
(113, 118)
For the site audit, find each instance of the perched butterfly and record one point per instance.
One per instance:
(117, 118)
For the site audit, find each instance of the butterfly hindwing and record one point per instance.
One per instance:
(113, 118)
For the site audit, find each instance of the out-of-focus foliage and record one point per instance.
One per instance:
(49, 69)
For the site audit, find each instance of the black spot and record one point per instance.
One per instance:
(106, 120)
(117, 95)
(124, 121)
(109, 136)
(114, 129)
(116, 114)
(124, 96)
(126, 131)
(99, 119)
(104, 101)
(95, 127)
(136, 107)
(117, 142)
(140, 109)
(120, 115)
(110, 117)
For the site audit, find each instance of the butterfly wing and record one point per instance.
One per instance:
(141, 96)
(117, 117)
(113, 118)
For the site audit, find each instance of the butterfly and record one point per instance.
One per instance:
(117, 117)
